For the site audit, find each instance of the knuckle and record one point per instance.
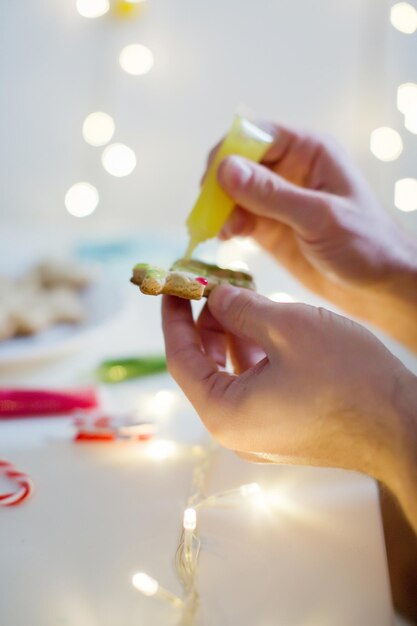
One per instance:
(265, 187)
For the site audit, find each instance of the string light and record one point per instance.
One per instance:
(136, 59)
(98, 128)
(281, 296)
(404, 17)
(92, 8)
(118, 160)
(161, 449)
(386, 144)
(81, 199)
(405, 196)
(406, 97)
(189, 525)
(162, 402)
(410, 120)
(150, 587)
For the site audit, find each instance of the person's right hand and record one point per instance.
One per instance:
(310, 208)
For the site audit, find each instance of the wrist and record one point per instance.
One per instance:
(400, 473)
(393, 303)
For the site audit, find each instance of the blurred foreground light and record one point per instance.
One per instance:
(162, 403)
(98, 128)
(281, 296)
(92, 8)
(251, 489)
(81, 199)
(145, 584)
(386, 144)
(161, 449)
(405, 197)
(118, 160)
(404, 17)
(410, 120)
(407, 97)
(136, 59)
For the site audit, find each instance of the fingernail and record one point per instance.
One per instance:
(234, 172)
(223, 296)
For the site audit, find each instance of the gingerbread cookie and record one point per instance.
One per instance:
(189, 279)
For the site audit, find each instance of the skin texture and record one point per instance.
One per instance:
(309, 386)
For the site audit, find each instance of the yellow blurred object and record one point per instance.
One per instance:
(126, 9)
(213, 205)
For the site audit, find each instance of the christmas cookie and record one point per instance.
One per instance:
(189, 279)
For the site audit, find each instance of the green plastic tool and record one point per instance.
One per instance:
(119, 370)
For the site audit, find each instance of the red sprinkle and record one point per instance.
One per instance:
(202, 280)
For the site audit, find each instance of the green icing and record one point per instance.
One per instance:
(151, 271)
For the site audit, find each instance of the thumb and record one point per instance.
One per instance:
(263, 192)
(244, 313)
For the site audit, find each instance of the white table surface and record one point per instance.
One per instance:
(101, 512)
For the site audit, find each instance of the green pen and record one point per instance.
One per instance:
(119, 370)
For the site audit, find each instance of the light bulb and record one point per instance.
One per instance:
(281, 296)
(92, 8)
(386, 144)
(405, 197)
(145, 584)
(250, 490)
(406, 97)
(118, 160)
(161, 449)
(404, 17)
(81, 199)
(190, 519)
(136, 59)
(98, 128)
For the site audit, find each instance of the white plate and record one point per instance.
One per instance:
(103, 303)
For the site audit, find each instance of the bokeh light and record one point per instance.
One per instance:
(405, 198)
(136, 59)
(404, 17)
(281, 296)
(98, 128)
(92, 8)
(386, 144)
(118, 160)
(407, 97)
(81, 199)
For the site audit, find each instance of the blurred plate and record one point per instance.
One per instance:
(103, 301)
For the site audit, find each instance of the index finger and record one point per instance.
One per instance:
(196, 372)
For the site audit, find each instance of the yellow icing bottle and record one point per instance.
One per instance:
(213, 205)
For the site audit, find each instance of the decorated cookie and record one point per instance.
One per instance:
(189, 279)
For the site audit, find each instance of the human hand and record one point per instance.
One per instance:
(310, 387)
(310, 208)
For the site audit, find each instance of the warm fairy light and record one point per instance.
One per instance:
(250, 490)
(190, 519)
(118, 160)
(404, 17)
(281, 296)
(162, 403)
(98, 128)
(161, 449)
(406, 97)
(145, 584)
(81, 199)
(386, 144)
(136, 59)
(410, 119)
(238, 265)
(405, 197)
(92, 8)
(247, 244)
(150, 587)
